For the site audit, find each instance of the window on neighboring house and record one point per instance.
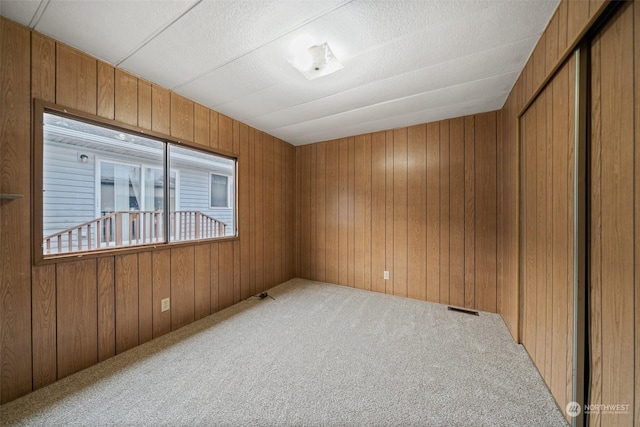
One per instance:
(219, 191)
(106, 188)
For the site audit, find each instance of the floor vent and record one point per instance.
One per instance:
(463, 310)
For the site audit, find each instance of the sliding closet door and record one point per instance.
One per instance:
(614, 259)
(547, 177)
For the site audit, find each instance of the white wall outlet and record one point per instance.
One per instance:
(386, 275)
(165, 304)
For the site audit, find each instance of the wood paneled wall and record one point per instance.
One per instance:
(59, 318)
(614, 203)
(547, 144)
(614, 262)
(419, 202)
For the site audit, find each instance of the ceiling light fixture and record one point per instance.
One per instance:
(316, 61)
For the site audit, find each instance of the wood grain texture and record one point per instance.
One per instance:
(43, 68)
(161, 265)
(225, 133)
(636, 104)
(244, 212)
(106, 91)
(403, 201)
(144, 104)
(215, 273)
(486, 227)
(617, 266)
(445, 213)
(34, 65)
(106, 308)
(202, 277)
(145, 297)
(160, 110)
(201, 125)
(213, 129)
(43, 312)
(126, 285)
(182, 117)
(595, 249)
(225, 275)
(400, 226)
(77, 325)
(15, 155)
(469, 213)
(417, 211)
(378, 210)
(126, 98)
(182, 286)
(76, 79)
(456, 212)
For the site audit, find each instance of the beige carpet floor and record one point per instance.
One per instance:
(318, 354)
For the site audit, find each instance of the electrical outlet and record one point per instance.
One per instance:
(165, 304)
(386, 275)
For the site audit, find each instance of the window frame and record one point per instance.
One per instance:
(41, 107)
(229, 198)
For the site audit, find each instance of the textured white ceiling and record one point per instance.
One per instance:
(405, 62)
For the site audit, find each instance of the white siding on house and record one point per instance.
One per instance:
(69, 188)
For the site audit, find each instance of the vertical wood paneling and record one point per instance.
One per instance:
(182, 286)
(485, 200)
(106, 90)
(160, 110)
(122, 303)
(456, 212)
(469, 213)
(259, 207)
(202, 286)
(215, 278)
(144, 104)
(253, 213)
(126, 282)
(636, 105)
(595, 249)
(77, 325)
(225, 275)
(577, 17)
(225, 133)
(214, 129)
(617, 213)
(367, 211)
(161, 263)
(389, 201)
(267, 181)
(15, 155)
(378, 210)
(145, 298)
(400, 227)
(201, 125)
(245, 212)
(76, 79)
(445, 280)
(417, 205)
(343, 210)
(182, 117)
(43, 68)
(320, 212)
(332, 208)
(106, 308)
(433, 212)
(359, 205)
(43, 309)
(126, 98)
(351, 210)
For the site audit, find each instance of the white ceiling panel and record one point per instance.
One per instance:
(405, 62)
(21, 11)
(108, 29)
(225, 30)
